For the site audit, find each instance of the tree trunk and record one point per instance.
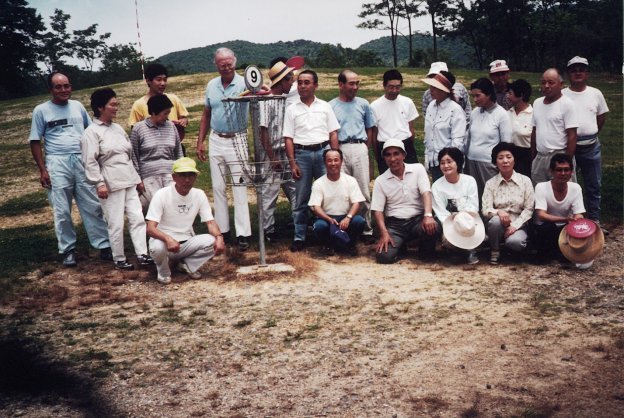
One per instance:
(435, 37)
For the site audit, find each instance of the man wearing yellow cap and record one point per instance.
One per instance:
(170, 220)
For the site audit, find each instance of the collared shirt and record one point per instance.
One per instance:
(445, 126)
(220, 121)
(393, 117)
(140, 112)
(487, 129)
(401, 198)
(521, 126)
(551, 122)
(461, 95)
(60, 126)
(309, 125)
(335, 197)
(154, 147)
(590, 103)
(354, 118)
(516, 197)
(107, 156)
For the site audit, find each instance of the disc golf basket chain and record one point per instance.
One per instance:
(246, 117)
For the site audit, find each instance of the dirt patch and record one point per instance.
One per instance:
(341, 337)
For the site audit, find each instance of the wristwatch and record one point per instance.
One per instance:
(428, 214)
(349, 216)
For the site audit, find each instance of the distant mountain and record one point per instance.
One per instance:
(200, 59)
(454, 53)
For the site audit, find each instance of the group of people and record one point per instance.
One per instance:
(113, 176)
(489, 165)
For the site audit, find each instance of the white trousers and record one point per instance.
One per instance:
(195, 252)
(356, 164)
(221, 151)
(125, 201)
(153, 184)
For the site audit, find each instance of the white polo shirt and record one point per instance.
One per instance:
(401, 198)
(309, 125)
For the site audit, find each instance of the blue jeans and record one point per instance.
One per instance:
(312, 167)
(69, 182)
(356, 227)
(588, 160)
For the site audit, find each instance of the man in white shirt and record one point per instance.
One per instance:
(591, 109)
(554, 126)
(395, 115)
(335, 200)
(170, 218)
(402, 206)
(310, 126)
(557, 202)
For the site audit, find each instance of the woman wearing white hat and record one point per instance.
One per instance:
(456, 203)
(445, 122)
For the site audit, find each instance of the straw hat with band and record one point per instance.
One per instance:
(440, 82)
(279, 71)
(464, 230)
(581, 241)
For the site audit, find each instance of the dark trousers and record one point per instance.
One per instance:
(404, 230)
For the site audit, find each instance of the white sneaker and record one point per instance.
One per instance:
(163, 280)
(584, 266)
(185, 269)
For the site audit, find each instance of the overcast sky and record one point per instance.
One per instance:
(168, 26)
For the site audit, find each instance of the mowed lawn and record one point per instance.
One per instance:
(25, 244)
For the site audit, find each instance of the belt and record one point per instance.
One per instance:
(586, 140)
(315, 147)
(225, 134)
(353, 141)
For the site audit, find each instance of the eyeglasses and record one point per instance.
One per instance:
(562, 170)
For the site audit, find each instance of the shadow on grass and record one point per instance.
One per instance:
(23, 250)
(19, 205)
(29, 377)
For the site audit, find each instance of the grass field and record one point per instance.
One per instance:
(22, 193)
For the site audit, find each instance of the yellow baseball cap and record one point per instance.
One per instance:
(185, 165)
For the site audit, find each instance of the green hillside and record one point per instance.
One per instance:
(200, 59)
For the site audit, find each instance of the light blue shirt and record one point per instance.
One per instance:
(487, 129)
(60, 126)
(354, 118)
(215, 93)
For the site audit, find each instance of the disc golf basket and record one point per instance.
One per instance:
(256, 120)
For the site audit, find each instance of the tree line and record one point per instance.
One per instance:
(530, 34)
(26, 44)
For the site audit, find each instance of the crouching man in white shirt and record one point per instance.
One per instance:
(170, 225)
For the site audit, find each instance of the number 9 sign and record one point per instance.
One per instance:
(253, 78)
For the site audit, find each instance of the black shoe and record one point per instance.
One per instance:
(69, 259)
(243, 243)
(297, 246)
(145, 260)
(123, 265)
(270, 237)
(227, 237)
(352, 250)
(106, 254)
(327, 250)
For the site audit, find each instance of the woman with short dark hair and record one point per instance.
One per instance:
(520, 116)
(155, 146)
(508, 201)
(489, 125)
(107, 156)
